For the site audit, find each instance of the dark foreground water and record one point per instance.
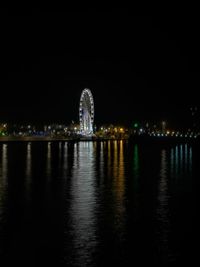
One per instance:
(97, 204)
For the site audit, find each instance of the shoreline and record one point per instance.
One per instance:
(135, 139)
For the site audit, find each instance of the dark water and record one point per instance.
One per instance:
(97, 203)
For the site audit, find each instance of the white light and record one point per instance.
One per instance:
(86, 114)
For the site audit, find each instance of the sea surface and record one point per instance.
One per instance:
(98, 203)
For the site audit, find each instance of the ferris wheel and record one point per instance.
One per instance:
(86, 112)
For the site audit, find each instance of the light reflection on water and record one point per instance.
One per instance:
(180, 160)
(85, 207)
(118, 186)
(48, 167)
(135, 168)
(101, 169)
(65, 165)
(103, 187)
(3, 191)
(3, 177)
(163, 213)
(28, 170)
(175, 167)
(83, 203)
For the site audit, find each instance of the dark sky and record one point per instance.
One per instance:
(136, 67)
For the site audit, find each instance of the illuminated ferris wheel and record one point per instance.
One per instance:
(86, 112)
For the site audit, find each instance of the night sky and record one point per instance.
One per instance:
(138, 68)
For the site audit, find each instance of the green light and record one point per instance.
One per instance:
(136, 168)
(135, 125)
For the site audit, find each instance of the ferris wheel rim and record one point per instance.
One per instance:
(86, 106)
